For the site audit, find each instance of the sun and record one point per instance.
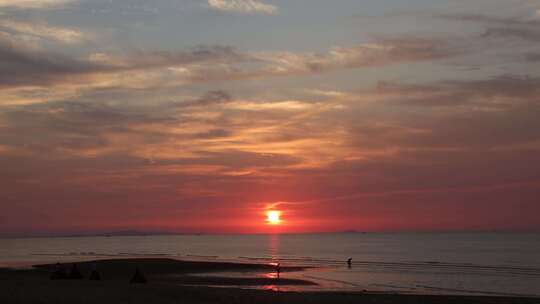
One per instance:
(273, 217)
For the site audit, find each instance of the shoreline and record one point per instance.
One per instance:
(170, 281)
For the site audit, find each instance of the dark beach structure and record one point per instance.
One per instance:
(59, 273)
(75, 273)
(94, 275)
(138, 277)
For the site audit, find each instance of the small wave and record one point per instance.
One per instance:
(331, 280)
(203, 256)
(483, 292)
(74, 254)
(142, 254)
(393, 286)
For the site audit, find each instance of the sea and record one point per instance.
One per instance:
(497, 264)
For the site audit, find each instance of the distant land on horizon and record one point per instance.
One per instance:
(166, 233)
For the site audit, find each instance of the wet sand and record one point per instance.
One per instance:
(172, 281)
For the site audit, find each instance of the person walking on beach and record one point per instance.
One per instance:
(278, 269)
(349, 263)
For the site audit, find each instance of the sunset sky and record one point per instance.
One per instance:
(202, 115)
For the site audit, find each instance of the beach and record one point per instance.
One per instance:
(174, 281)
(448, 264)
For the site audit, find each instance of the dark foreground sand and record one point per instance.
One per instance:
(165, 286)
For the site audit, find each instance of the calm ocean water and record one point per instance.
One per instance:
(463, 263)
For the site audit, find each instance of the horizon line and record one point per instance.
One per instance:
(166, 233)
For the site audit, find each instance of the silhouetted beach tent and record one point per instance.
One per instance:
(138, 277)
(94, 275)
(58, 273)
(75, 274)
